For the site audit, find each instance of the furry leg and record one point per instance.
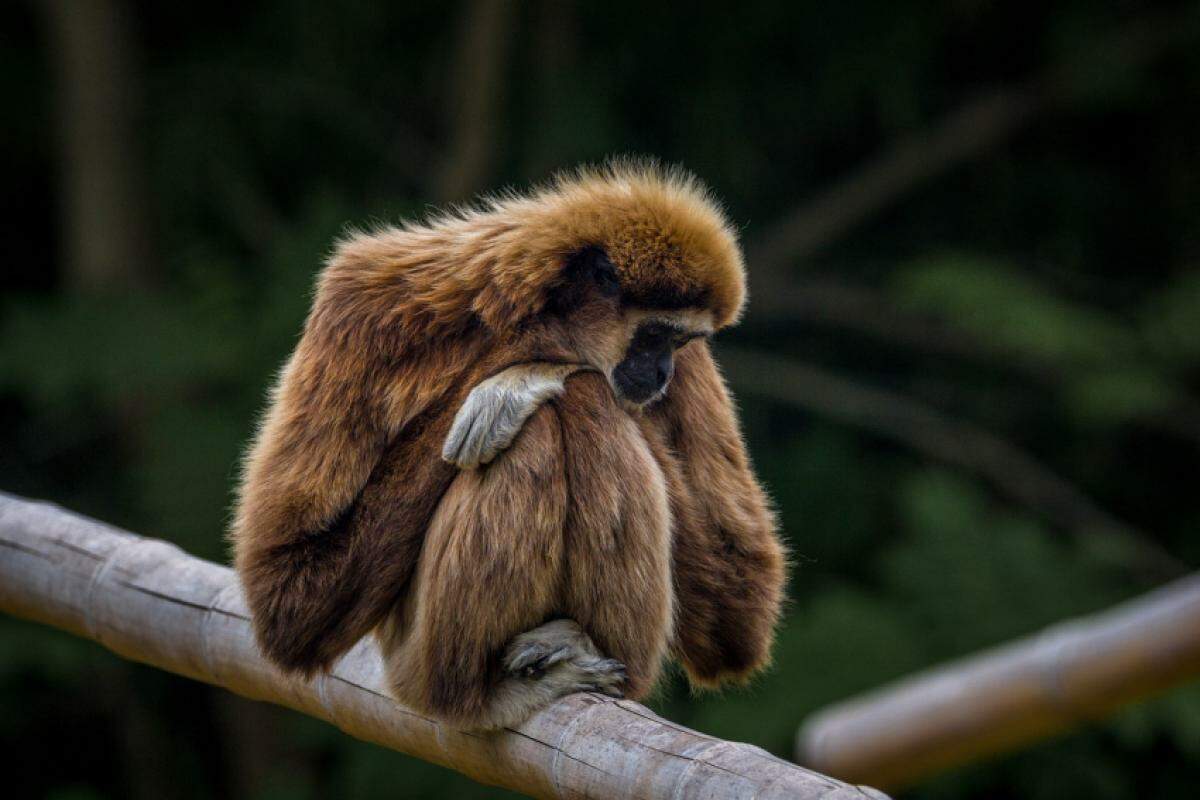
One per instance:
(489, 571)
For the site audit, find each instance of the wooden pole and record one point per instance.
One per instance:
(148, 601)
(1011, 695)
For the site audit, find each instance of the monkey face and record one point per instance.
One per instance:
(639, 357)
(648, 364)
(641, 377)
(631, 343)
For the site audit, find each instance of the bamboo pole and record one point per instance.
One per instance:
(148, 601)
(1011, 695)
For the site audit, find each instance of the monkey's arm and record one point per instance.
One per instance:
(729, 563)
(496, 410)
(320, 569)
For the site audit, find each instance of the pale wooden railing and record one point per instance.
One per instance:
(148, 601)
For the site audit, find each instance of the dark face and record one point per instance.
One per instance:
(649, 363)
(633, 344)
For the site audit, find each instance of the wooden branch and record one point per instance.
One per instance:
(103, 207)
(148, 601)
(475, 100)
(1012, 695)
(1014, 472)
(832, 302)
(864, 311)
(965, 133)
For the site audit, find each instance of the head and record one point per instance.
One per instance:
(615, 267)
(655, 267)
(632, 343)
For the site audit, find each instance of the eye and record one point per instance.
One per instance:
(593, 262)
(605, 275)
(584, 269)
(683, 338)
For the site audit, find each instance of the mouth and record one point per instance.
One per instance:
(639, 383)
(639, 401)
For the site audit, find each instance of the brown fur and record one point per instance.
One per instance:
(729, 564)
(571, 522)
(626, 522)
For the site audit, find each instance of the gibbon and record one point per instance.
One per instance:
(502, 445)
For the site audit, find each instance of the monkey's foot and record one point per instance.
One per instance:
(563, 659)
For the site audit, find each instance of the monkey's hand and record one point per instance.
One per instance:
(495, 411)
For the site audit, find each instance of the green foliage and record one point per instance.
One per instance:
(1175, 717)
(1171, 319)
(1010, 310)
(1110, 371)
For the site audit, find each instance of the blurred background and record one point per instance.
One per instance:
(970, 372)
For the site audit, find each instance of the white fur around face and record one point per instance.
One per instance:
(496, 409)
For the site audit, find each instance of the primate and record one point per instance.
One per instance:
(503, 446)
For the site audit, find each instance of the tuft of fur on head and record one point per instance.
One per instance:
(498, 261)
